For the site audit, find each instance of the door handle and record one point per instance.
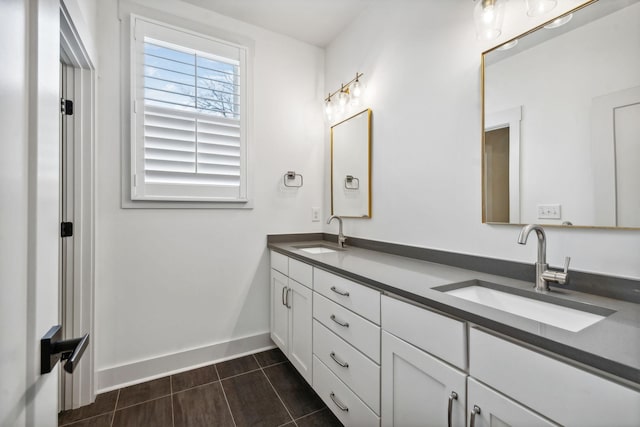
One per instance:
(53, 348)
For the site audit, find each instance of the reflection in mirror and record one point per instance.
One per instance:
(351, 166)
(562, 122)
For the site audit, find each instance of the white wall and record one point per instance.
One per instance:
(422, 69)
(557, 161)
(172, 280)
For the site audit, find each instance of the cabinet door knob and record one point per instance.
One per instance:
(453, 396)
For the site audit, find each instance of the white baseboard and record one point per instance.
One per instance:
(157, 367)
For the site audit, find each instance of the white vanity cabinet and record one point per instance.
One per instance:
(346, 348)
(488, 408)
(561, 392)
(417, 387)
(291, 311)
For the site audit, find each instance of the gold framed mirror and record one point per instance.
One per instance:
(351, 166)
(561, 121)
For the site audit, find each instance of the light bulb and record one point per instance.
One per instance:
(356, 89)
(488, 15)
(328, 107)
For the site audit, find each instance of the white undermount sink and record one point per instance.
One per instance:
(317, 249)
(550, 313)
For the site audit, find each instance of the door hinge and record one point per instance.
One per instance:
(66, 107)
(66, 229)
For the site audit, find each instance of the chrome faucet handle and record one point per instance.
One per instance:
(560, 277)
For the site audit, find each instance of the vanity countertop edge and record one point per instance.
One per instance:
(611, 345)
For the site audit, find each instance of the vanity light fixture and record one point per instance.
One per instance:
(349, 95)
(559, 22)
(489, 14)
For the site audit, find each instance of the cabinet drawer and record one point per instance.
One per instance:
(360, 373)
(280, 262)
(564, 393)
(439, 335)
(301, 272)
(358, 298)
(336, 395)
(357, 331)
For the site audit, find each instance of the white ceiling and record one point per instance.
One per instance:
(316, 22)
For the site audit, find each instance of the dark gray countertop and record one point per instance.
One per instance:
(611, 345)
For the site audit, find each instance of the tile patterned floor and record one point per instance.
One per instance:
(263, 389)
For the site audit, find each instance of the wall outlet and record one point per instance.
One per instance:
(315, 214)
(549, 212)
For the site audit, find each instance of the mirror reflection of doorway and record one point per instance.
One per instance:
(496, 146)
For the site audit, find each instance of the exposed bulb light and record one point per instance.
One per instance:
(559, 22)
(328, 107)
(540, 7)
(356, 92)
(348, 96)
(488, 15)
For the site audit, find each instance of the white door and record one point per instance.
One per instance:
(29, 208)
(300, 326)
(279, 311)
(417, 388)
(627, 146)
(488, 408)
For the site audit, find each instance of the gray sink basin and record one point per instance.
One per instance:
(544, 308)
(318, 249)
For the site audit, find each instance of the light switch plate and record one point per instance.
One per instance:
(549, 211)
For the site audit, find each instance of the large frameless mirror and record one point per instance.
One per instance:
(561, 142)
(351, 166)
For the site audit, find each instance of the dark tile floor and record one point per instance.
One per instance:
(263, 389)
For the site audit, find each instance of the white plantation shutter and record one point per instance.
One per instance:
(189, 138)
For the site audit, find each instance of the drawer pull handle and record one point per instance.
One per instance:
(474, 412)
(339, 292)
(345, 324)
(453, 396)
(335, 359)
(287, 304)
(283, 291)
(338, 403)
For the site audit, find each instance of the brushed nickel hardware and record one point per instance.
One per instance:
(283, 291)
(335, 359)
(339, 292)
(453, 396)
(474, 412)
(339, 404)
(291, 176)
(344, 324)
(287, 299)
(543, 274)
(341, 238)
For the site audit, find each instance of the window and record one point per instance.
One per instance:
(188, 117)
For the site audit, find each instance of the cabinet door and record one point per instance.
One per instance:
(416, 387)
(496, 410)
(279, 311)
(300, 325)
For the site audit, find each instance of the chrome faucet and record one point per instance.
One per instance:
(341, 238)
(543, 274)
